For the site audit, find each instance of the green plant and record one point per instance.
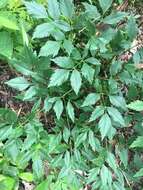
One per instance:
(14, 23)
(76, 72)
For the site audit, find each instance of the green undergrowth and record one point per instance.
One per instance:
(70, 70)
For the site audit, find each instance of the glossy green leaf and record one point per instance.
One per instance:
(64, 62)
(105, 4)
(92, 140)
(104, 125)
(53, 9)
(43, 30)
(58, 77)
(36, 10)
(38, 167)
(67, 8)
(76, 81)
(116, 116)
(66, 134)
(18, 83)
(91, 11)
(30, 93)
(99, 111)
(70, 111)
(104, 174)
(21, 68)
(114, 18)
(136, 105)
(137, 143)
(88, 72)
(50, 48)
(93, 175)
(93, 61)
(62, 25)
(68, 46)
(91, 99)
(58, 108)
(118, 101)
(67, 159)
(80, 139)
(47, 105)
(123, 154)
(111, 160)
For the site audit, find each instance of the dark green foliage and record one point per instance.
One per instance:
(76, 75)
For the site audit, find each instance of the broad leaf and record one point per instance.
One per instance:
(104, 125)
(58, 34)
(88, 72)
(132, 28)
(114, 18)
(139, 173)
(53, 9)
(99, 111)
(8, 22)
(38, 167)
(111, 160)
(76, 81)
(68, 46)
(118, 101)
(116, 116)
(21, 68)
(59, 77)
(105, 175)
(123, 154)
(18, 83)
(58, 108)
(66, 134)
(67, 160)
(70, 110)
(62, 25)
(50, 48)
(93, 61)
(91, 99)
(137, 143)
(92, 177)
(30, 93)
(80, 139)
(65, 62)
(136, 105)
(6, 44)
(44, 185)
(67, 8)
(92, 140)
(48, 102)
(7, 183)
(91, 11)
(36, 10)
(43, 30)
(26, 176)
(7, 116)
(105, 4)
